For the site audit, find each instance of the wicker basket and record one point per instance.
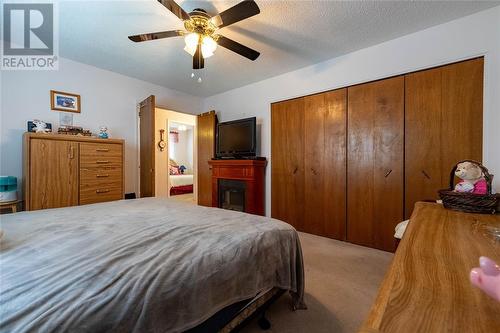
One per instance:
(469, 202)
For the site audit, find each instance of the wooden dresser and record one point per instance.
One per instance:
(62, 170)
(427, 287)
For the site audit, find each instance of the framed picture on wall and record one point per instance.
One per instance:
(61, 101)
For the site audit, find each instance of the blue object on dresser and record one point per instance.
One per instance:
(8, 188)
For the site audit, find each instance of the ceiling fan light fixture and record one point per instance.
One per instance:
(200, 31)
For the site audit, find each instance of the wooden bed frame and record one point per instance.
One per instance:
(236, 316)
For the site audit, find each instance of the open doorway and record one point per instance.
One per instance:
(181, 161)
(176, 160)
(153, 173)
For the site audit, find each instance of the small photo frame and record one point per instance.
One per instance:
(61, 101)
(65, 119)
(31, 126)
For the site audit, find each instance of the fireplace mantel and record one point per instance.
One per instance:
(252, 172)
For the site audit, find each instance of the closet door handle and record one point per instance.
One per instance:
(295, 170)
(388, 173)
(426, 175)
(314, 171)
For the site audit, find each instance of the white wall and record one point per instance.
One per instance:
(468, 37)
(107, 99)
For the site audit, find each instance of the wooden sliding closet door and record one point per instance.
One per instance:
(443, 125)
(375, 162)
(462, 102)
(287, 167)
(325, 164)
(423, 162)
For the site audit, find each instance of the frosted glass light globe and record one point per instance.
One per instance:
(191, 41)
(208, 45)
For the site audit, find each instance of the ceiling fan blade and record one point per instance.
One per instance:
(237, 47)
(155, 35)
(198, 61)
(241, 11)
(175, 8)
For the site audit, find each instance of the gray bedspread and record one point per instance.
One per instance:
(145, 265)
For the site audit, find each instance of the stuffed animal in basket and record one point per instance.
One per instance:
(472, 179)
(487, 277)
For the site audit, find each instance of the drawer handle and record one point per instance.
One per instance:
(101, 191)
(102, 149)
(102, 176)
(102, 162)
(388, 173)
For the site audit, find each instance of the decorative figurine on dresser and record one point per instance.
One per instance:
(68, 170)
(103, 132)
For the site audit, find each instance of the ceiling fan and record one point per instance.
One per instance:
(200, 35)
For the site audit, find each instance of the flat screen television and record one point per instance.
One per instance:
(237, 139)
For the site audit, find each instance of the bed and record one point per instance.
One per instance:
(181, 184)
(144, 265)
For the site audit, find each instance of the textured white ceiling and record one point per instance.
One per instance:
(289, 35)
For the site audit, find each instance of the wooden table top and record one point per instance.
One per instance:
(427, 287)
(10, 203)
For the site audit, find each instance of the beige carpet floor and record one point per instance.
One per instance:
(342, 281)
(189, 197)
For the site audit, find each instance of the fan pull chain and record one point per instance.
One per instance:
(199, 79)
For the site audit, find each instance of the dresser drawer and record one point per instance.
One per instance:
(110, 162)
(93, 193)
(100, 149)
(100, 175)
(100, 154)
